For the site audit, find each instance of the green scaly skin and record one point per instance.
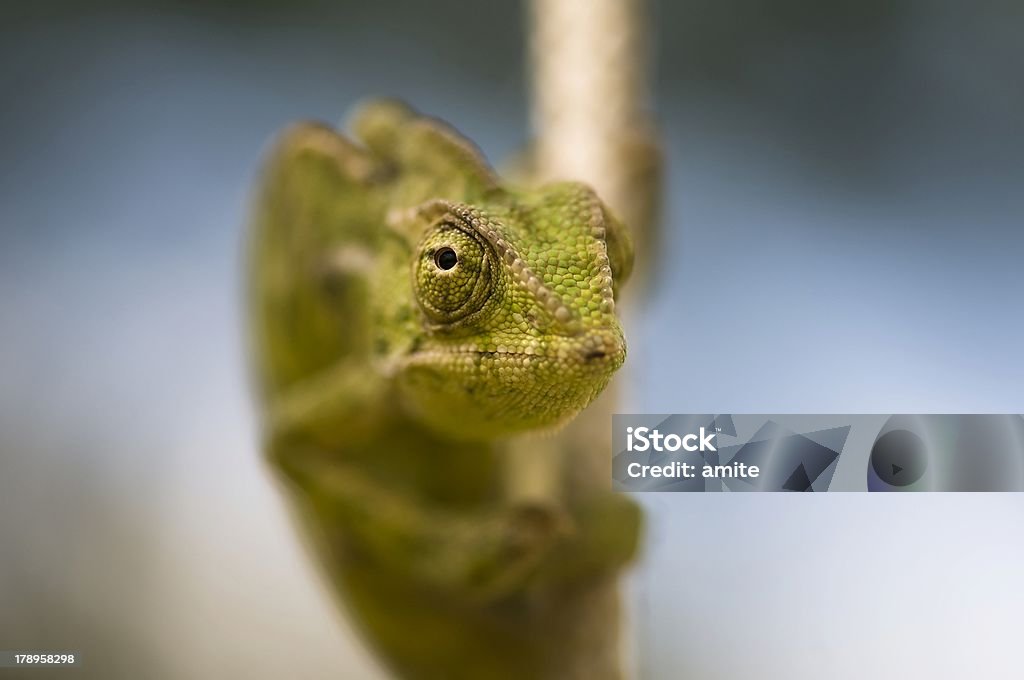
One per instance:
(409, 315)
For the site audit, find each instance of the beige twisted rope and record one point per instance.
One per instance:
(591, 96)
(589, 62)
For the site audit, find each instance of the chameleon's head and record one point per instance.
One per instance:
(516, 299)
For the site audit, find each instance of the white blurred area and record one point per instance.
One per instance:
(842, 586)
(139, 527)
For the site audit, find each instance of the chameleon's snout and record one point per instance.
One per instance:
(603, 348)
(508, 388)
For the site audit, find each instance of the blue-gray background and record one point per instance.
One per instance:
(843, 233)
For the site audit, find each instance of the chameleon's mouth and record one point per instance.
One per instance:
(597, 347)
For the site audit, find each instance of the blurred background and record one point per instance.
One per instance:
(844, 230)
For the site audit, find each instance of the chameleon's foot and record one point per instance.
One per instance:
(535, 525)
(609, 527)
(525, 538)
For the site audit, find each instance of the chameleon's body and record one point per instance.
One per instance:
(410, 314)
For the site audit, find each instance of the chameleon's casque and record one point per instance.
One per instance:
(408, 312)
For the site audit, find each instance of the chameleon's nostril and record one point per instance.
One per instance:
(601, 349)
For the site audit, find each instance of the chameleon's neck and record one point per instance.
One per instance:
(434, 468)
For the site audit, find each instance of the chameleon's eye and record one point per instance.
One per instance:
(452, 274)
(445, 258)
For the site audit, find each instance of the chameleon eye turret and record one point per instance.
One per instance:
(452, 277)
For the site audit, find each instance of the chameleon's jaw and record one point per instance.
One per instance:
(602, 347)
(473, 392)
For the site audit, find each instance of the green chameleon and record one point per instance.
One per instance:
(410, 315)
